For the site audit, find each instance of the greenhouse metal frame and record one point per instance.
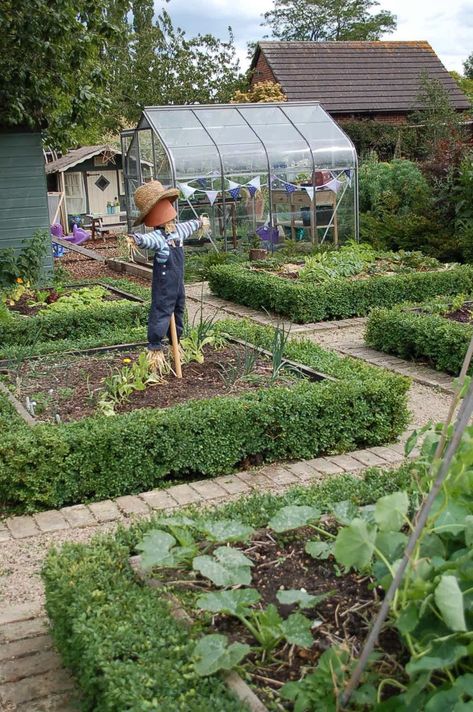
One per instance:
(277, 170)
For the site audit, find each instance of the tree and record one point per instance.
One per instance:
(259, 93)
(321, 20)
(164, 66)
(468, 67)
(52, 65)
(465, 84)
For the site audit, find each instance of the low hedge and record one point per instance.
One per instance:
(416, 335)
(336, 299)
(98, 457)
(71, 323)
(118, 637)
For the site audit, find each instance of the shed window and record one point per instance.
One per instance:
(75, 195)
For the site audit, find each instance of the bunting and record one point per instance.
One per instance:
(186, 190)
(235, 192)
(211, 195)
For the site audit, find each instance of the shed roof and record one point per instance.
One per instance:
(78, 155)
(363, 77)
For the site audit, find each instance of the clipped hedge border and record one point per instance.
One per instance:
(337, 299)
(96, 458)
(118, 637)
(416, 335)
(79, 322)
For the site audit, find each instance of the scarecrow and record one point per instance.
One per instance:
(166, 316)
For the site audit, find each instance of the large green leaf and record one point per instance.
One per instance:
(452, 516)
(469, 531)
(354, 545)
(391, 510)
(297, 630)
(391, 544)
(233, 603)
(155, 549)
(292, 517)
(223, 569)
(302, 598)
(213, 653)
(318, 549)
(226, 530)
(449, 600)
(344, 512)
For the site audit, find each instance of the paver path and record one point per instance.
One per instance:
(31, 676)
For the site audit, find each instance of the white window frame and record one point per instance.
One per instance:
(75, 193)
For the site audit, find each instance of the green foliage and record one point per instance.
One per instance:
(103, 621)
(213, 653)
(468, 66)
(293, 517)
(69, 321)
(418, 334)
(328, 20)
(397, 187)
(54, 465)
(388, 141)
(24, 266)
(348, 261)
(125, 381)
(337, 299)
(431, 608)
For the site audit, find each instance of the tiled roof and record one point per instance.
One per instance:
(357, 76)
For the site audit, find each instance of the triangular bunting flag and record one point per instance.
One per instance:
(211, 195)
(310, 191)
(334, 185)
(234, 192)
(255, 183)
(186, 189)
(348, 175)
(252, 189)
(202, 182)
(289, 187)
(231, 185)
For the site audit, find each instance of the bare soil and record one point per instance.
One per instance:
(71, 385)
(464, 315)
(344, 617)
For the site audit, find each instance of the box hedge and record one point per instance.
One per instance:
(336, 299)
(416, 335)
(118, 637)
(98, 457)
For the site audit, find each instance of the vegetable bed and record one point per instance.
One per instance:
(119, 637)
(99, 457)
(335, 292)
(436, 333)
(31, 321)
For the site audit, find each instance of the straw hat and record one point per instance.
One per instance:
(147, 195)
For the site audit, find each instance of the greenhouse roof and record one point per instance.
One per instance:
(239, 138)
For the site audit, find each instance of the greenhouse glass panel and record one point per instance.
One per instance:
(264, 173)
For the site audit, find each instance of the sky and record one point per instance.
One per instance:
(446, 25)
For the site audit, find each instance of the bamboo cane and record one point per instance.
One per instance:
(176, 356)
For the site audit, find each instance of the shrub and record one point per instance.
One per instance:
(54, 465)
(416, 335)
(337, 299)
(119, 638)
(77, 322)
(397, 187)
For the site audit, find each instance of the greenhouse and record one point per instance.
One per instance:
(264, 173)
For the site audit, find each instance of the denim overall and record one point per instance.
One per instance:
(167, 297)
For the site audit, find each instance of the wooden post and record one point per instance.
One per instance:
(176, 356)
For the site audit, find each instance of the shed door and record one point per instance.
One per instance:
(102, 189)
(75, 196)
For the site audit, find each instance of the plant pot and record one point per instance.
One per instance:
(257, 253)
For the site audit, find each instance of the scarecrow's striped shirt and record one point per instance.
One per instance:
(158, 241)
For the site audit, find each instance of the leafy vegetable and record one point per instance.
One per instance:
(213, 653)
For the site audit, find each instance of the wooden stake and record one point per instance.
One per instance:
(176, 356)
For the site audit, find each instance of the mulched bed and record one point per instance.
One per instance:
(71, 385)
(343, 618)
(464, 315)
(22, 306)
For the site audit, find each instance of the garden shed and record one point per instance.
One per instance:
(262, 172)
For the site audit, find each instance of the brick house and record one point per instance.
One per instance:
(355, 80)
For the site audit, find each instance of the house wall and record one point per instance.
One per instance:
(23, 203)
(262, 71)
(96, 199)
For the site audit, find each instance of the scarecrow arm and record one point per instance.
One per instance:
(186, 229)
(154, 240)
